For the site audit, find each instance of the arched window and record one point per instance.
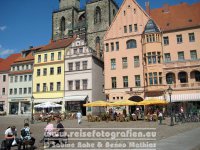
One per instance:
(62, 25)
(97, 41)
(97, 16)
(131, 44)
(183, 77)
(170, 78)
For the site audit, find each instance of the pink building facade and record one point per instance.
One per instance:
(143, 56)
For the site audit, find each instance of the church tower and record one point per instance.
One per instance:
(64, 19)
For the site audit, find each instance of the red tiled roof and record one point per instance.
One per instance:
(29, 57)
(58, 44)
(1, 59)
(6, 63)
(177, 17)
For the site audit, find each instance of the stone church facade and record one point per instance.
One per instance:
(90, 23)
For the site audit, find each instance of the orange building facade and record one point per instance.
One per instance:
(146, 51)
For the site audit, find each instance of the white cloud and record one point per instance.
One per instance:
(6, 52)
(2, 28)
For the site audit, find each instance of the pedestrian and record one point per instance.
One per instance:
(160, 117)
(11, 138)
(79, 116)
(59, 129)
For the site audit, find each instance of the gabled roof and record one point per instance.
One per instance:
(177, 17)
(6, 63)
(151, 27)
(29, 56)
(63, 43)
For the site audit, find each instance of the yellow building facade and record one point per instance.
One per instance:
(48, 76)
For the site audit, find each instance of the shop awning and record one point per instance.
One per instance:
(184, 97)
(47, 100)
(75, 98)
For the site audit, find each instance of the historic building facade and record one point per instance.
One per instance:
(90, 23)
(4, 80)
(151, 50)
(20, 83)
(83, 77)
(48, 75)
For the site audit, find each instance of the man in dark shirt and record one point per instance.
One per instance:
(60, 129)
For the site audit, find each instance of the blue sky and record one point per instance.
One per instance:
(25, 23)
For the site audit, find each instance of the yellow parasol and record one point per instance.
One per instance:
(97, 104)
(153, 101)
(123, 103)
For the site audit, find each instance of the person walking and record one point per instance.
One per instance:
(79, 116)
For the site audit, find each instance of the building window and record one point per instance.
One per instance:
(113, 64)
(125, 81)
(124, 63)
(38, 72)
(45, 57)
(112, 46)
(130, 28)
(114, 12)
(70, 66)
(11, 79)
(11, 91)
(22, 67)
(4, 78)
(179, 39)
(62, 26)
(15, 91)
(29, 90)
(52, 56)
(38, 87)
(124, 12)
(39, 58)
(150, 79)
(155, 78)
(149, 58)
(21, 78)
(25, 78)
(75, 51)
(135, 27)
(181, 56)
(107, 47)
(30, 77)
(20, 91)
(16, 78)
(154, 57)
(97, 16)
(58, 86)
(183, 77)
(191, 37)
(77, 65)
(84, 65)
(70, 85)
(51, 71)
(167, 57)
(80, 50)
(17, 68)
(77, 83)
(85, 84)
(125, 29)
(3, 91)
(117, 46)
(59, 70)
(51, 86)
(136, 61)
(114, 82)
(131, 44)
(59, 55)
(137, 81)
(44, 87)
(166, 40)
(160, 77)
(25, 90)
(44, 71)
(193, 54)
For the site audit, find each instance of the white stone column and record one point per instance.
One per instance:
(19, 108)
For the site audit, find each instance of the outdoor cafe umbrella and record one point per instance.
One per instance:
(97, 104)
(123, 103)
(47, 105)
(152, 101)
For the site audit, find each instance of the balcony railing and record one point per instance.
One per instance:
(186, 85)
(185, 63)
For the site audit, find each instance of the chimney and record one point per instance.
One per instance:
(147, 4)
(166, 8)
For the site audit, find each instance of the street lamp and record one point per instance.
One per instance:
(170, 94)
(32, 100)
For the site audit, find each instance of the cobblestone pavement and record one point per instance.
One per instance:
(162, 131)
